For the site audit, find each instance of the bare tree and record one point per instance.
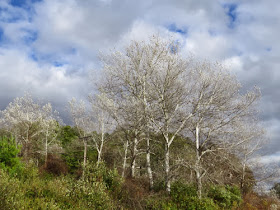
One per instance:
(50, 124)
(124, 158)
(151, 88)
(265, 175)
(218, 111)
(84, 121)
(252, 139)
(93, 124)
(126, 117)
(103, 124)
(146, 88)
(22, 118)
(169, 90)
(123, 89)
(27, 121)
(253, 171)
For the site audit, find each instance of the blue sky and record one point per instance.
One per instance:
(231, 12)
(49, 47)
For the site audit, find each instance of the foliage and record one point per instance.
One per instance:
(159, 185)
(72, 160)
(200, 204)
(100, 172)
(180, 192)
(225, 196)
(31, 191)
(160, 202)
(73, 149)
(67, 134)
(185, 197)
(9, 159)
(73, 152)
(74, 156)
(102, 188)
(189, 203)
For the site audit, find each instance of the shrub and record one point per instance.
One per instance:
(67, 134)
(23, 194)
(185, 196)
(9, 159)
(86, 194)
(73, 160)
(159, 185)
(181, 191)
(32, 191)
(55, 165)
(200, 204)
(160, 201)
(101, 173)
(74, 155)
(190, 203)
(182, 196)
(225, 196)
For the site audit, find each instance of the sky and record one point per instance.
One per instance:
(49, 47)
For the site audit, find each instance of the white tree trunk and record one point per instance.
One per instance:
(102, 138)
(134, 154)
(149, 169)
(167, 168)
(85, 157)
(198, 164)
(100, 148)
(26, 145)
(46, 149)
(125, 158)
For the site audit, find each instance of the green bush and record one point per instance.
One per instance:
(74, 157)
(73, 160)
(189, 203)
(33, 191)
(181, 191)
(67, 134)
(185, 197)
(194, 203)
(182, 196)
(100, 172)
(20, 194)
(225, 196)
(85, 194)
(160, 201)
(9, 159)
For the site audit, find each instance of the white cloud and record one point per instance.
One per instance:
(269, 159)
(234, 64)
(68, 35)
(19, 73)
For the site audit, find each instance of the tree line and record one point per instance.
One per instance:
(153, 114)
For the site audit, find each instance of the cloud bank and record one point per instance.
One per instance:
(48, 47)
